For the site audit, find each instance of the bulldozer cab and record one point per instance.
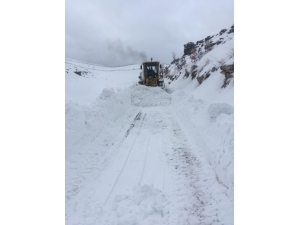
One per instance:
(151, 69)
(150, 75)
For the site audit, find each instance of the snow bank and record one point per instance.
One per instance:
(211, 126)
(145, 205)
(85, 88)
(216, 109)
(144, 96)
(82, 120)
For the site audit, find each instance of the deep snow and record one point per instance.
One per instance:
(141, 155)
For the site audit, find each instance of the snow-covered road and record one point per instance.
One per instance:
(140, 167)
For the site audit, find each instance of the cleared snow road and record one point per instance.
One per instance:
(139, 170)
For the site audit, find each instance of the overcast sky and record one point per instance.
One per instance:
(119, 32)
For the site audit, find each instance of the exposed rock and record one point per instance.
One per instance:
(180, 64)
(199, 42)
(231, 30)
(194, 52)
(182, 61)
(186, 75)
(175, 61)
(228, 71)
(214, 69)
(226, 82)
(194, 74)
(200, 79)
(207, 38)
(208, 46)
(206, 75)
(189, 48)
(227, 68)
(222, 31)
(194, 71)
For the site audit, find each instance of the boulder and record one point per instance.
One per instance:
(189, 48)
(214, 69)
(231, 30)
(200, 79)
(227, 68)
(228, 71)
(222, 31)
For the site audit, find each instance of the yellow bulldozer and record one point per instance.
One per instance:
(151, 74)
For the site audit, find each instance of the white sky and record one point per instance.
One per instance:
(119, 32)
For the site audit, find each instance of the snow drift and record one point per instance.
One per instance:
(211, 126)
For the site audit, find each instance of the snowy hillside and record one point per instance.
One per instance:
(143, 155)
(89, 80)
(206, 68)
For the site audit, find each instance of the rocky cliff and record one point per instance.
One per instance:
(209, 56)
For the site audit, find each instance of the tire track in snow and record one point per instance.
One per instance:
(145, 160)
(95, 159)
(120, 173)
(183, 174)
(98, 206)
(163, 150)
(141, 176)
(138, 117)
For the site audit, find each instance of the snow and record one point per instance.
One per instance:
(144, 155)
(212, 128)
(210, 90)
(86, 88)
(143, 96)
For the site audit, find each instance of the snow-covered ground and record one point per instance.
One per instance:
(143, 155)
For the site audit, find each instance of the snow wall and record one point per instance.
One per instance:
(209, 125)
(92, 120)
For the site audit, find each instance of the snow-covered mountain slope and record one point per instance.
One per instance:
(141, 155)
(85, 81)
(206, 69)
